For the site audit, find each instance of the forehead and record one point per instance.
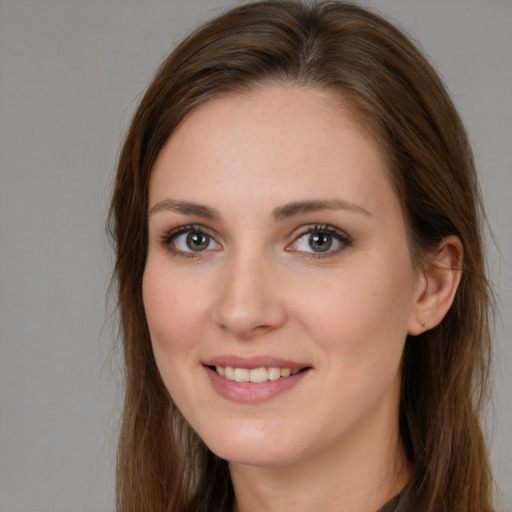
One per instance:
(280, 142)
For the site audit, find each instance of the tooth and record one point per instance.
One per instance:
(258, 375)
(274, 373)
(241, 375)
(229, 373)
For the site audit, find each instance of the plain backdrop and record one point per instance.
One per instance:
(71, 72)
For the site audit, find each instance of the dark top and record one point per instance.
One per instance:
(390, 505)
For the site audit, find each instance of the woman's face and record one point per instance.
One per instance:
(277, 254)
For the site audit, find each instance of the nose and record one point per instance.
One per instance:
(250, 302)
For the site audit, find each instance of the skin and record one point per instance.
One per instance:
(258, 289)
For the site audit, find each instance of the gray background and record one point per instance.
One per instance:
(70, 74)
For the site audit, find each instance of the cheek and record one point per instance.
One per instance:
(359, 319)
(360, 328)
(174, 312)
(354, 306)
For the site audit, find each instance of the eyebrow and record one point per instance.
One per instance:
(298, 207)
(279, 213)
(185, 208)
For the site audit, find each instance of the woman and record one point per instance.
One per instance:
(303, 303)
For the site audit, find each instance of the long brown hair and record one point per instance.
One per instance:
(392, 89)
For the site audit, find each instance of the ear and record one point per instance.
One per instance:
(437, 286)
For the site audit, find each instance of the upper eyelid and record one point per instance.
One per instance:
(343, 238)
(319, 228)
(297, 233)
(178, 230)
(169, 235)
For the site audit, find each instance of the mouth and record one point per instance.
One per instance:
(254, 379)
(256, 375)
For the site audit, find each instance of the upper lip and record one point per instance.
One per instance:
(253, 362)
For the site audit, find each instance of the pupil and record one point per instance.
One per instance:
(320, 242)
(197, 241)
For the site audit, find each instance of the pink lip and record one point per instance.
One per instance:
(254, 362)
(249, 392)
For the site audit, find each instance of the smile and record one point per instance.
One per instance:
(256, 375)
(255, 380)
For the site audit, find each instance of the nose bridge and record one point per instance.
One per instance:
(248, 302)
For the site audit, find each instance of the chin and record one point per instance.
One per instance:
(255, 457)
(252, 448)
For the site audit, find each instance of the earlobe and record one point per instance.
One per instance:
(437, 286)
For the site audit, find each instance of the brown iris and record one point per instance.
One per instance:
(197, 241)
(320, 242)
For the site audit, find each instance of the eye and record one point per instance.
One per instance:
(187, 240)
(321, 241)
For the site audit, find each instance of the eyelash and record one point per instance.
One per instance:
(343, 238)
(168, 238)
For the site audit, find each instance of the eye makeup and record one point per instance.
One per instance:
(310, 241)
(319, 241)
(189, 241)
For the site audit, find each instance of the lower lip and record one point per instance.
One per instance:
(253, 392)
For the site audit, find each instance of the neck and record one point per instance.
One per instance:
(367, 469)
